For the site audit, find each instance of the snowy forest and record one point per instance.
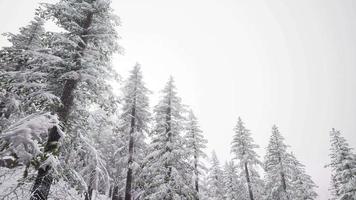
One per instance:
(67, 133)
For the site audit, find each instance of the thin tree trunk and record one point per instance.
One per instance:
(130, 160)
(196, 176)
(115, 193)
(169, 139)
(248, 182)
(44, 179)
(129, 177)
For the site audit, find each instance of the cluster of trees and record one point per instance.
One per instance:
(66, 135)
(284, 176)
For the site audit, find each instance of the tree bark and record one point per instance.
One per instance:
(250, 192)
(115, 193)
(129, 178)
(130, 160)
(196, 176)
(44, 179)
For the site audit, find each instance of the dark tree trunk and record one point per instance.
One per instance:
(248, 182)
(129, 177)
(44, 177)
(115, 193)
(43, 182)
(196, 176)
(130, 160)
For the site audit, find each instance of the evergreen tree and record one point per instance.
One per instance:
(195, 144)
(85, 48)
(167, 170)
(243, 149)
(215, 179)
(303, 185)
(277, 165)
(343, 167)
(135, 118)
(234, 187)
(24, 69)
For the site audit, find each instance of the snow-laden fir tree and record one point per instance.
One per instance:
(343, 168)
(303, 185)
(233, 185)
(277, 167)
(24, 69)
(243, 149)
(215, 183)
(85, 49)
(195, 144)
(167, 170)
(134, 123)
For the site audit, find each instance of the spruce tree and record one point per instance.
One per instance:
(343, 167)
(135, 119)
(195, 144)
(167, 171)
(85, 48)
(24, 71)
(233, 185)
(277, 165)
(243, 149)
(215, 179)
(303, 185)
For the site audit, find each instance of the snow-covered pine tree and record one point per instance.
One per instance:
(277, 167)
(303, 185)
(89, 41)
(243, 149)
(24, 68)
(343, 167)
(135, 119)
(215, 179)
(195, 144)
(233, 185)
(167, 170)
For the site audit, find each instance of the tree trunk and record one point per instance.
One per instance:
(44, 177)
(169, 139)
(196, 176)
(43, 182)
(248, 182)
(91, 186)
(130, 160)
(115, 193)
(129, 177)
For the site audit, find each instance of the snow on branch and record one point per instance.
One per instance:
(24, 140)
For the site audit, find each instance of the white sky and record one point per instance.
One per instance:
(286, 62)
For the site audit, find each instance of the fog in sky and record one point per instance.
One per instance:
(285, 62)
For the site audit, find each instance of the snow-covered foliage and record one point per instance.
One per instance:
(234, 187)
(24, 73)
(134, 124)
(24, 140)
(285, 176)
(215, 184)
(303, 185)
(343, 167)
(56, 82)
(195, 144)
(243, 149)
(167, 169)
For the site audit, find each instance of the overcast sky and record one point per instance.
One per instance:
(284, 62)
